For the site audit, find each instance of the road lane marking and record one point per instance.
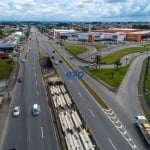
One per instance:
(91, 113)
(36, 83)
(114, 147)
(37, 93)
(42, 132)
(79, 94)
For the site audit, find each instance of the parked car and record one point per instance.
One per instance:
(16, 111)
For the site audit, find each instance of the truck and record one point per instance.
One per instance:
(144, 126)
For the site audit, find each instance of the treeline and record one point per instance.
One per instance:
(139, 26)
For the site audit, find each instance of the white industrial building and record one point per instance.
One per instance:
(74, 35)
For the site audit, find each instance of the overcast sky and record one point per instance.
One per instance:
(75, 10)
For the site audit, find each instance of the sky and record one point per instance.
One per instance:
(75, 10)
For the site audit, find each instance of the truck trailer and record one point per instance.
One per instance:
(144, 126)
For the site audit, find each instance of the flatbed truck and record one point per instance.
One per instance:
(144, 126)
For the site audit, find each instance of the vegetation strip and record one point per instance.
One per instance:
(141, 100)
(6, 67)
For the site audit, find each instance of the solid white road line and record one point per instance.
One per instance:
(112, 144)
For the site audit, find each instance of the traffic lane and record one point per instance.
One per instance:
(113, 101)
(46, 118)
(16, 124)
(80, 95)
(103, 130)
(47, 127)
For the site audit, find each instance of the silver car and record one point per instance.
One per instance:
(16, 111)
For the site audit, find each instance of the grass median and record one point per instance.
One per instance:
(113, 57)
(111, 76)
(75, 49)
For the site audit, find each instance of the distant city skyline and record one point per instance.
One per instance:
(76, 10)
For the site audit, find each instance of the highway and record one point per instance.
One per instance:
(105, 133)
(29, 132)
(124, 103)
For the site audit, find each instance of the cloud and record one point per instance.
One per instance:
(115, 1)
(77, 10)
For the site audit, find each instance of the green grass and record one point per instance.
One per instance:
(141, 101)
(106, 75)
(111, 58)
(6, 67)
(97, 46)
(147, 82)
(75, 49)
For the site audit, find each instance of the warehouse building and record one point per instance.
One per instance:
(129, 34)
(112, 34)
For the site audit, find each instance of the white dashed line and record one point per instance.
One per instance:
(91, 113)
(79, 94)
(42, 132)
(114, 147)
(37, 92)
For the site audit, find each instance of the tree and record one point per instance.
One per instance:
(117, 64)
(98, 61)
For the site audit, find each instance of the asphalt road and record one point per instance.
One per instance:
(125, 103)
(28, 132)
(104, 131)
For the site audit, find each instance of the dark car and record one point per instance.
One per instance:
(20, 79)
(60, 61)
(52, 56)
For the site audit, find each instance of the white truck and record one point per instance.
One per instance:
(144, 126)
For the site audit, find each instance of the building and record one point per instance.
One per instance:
(6, 47)
(126, 34)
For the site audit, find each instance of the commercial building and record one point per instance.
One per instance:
(112, 34)
(129, 34)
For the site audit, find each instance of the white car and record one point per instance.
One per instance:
(36, 110)
(56, 62)
(23, 60)
(16, 111)
(71, 57)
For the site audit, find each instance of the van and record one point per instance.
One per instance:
(36, 110)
